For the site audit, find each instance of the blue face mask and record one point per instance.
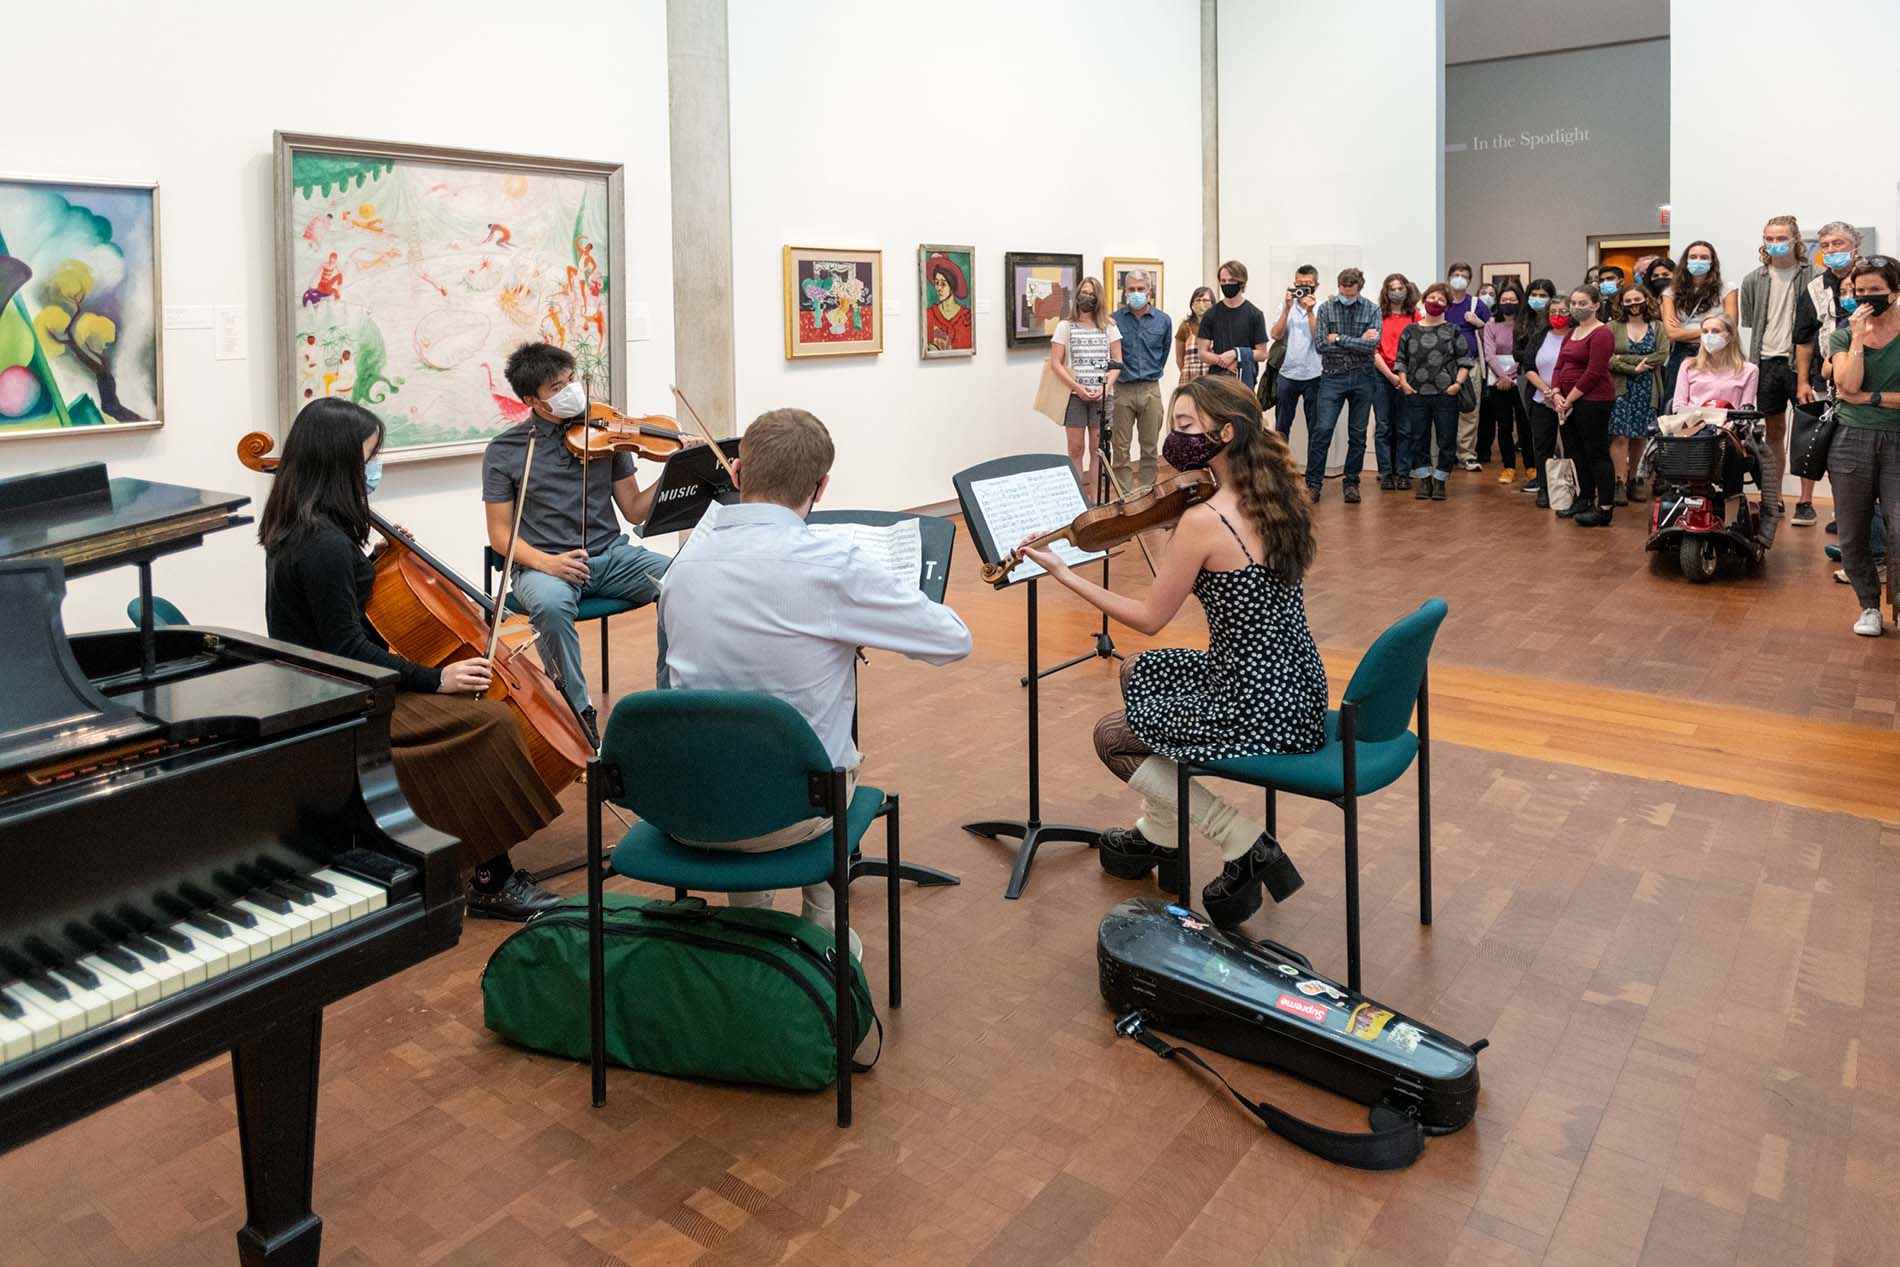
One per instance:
(1607, 288)
(1838, 259)
(1539, 302)
(1137, 300)
(372, 474)
(1849, 303)
(1697, 268)
(1777, 249)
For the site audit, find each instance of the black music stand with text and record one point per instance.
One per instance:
(939, 539)
(1032, 831)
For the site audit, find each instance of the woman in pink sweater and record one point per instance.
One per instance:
(1718, 375)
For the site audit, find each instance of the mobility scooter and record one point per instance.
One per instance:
(1698, 510)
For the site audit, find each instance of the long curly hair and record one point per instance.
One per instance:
(1271, 489)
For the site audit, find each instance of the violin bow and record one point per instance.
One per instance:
(514, 538)
(706, 434)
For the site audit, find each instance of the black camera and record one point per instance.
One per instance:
(1302, 291)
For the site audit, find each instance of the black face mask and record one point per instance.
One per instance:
(1189, 450)
(1230, 289)
(1507, 310)
(1085, 303)
(1878, 303)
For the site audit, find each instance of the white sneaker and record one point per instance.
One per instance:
(1869, 625)
(1840, 576)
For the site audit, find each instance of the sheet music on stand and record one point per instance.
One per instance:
(1027, 504)
(898, 547)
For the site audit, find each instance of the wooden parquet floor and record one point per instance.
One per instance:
(1668, 891)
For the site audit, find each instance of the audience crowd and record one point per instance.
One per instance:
(1452, 376)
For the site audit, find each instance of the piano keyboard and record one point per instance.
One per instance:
(126, 961)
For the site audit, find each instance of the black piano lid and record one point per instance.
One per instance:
(47, 704)
(59, 513)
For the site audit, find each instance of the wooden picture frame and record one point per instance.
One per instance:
(407, 273)
(1116, 267)
(82, 330)
(1518, 272)
(946, 335)
(831, 308)
(1038, 288)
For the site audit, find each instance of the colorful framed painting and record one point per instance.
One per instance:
(834, 303)
(946, 299)
(406, 274)
(1115, 270)
(80, 342)
(1039, 287)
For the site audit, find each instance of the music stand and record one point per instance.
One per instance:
(691, 480)
(1104, 641)
(939, 539)
(1032, 831)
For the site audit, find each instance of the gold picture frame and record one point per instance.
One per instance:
(831, 307)
(1115, 267)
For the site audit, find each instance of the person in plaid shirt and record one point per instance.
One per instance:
(1346, 330)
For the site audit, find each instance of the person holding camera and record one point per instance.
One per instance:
(1300, 371)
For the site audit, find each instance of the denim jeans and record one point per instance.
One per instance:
(1292, 392)
(622, 570)
(1389, 447)
(1335, 391)
(1434, 417)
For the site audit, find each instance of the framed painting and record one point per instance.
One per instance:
(1115, 270)
(406, 274)
(833, 302)
(1039, 287)
(80, 342)
(1517, 274)
(946, 297)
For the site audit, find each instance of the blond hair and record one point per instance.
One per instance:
(1794, 231)
(1729, 359)
(784, 455)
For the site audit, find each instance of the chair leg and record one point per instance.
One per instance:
(894, 953)
(596, 941)
(679, 895)
(606, 688)
(1273, 814)
(1349, 760)
(1424, 808)
(1182, 833)
(841, 942)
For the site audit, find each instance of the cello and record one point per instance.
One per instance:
(428, 614)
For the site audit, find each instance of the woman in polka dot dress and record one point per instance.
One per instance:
(1258, 688)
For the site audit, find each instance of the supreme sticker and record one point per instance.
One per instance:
(1314, 1012)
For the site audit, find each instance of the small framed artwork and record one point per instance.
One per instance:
(1515, 274)
(946, 279)
(833, 302)
(1039, 287)
(79, 307)
(1115, 271)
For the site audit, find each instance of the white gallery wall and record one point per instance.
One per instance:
(187, 93)
(1331, 131)
(1065, 125)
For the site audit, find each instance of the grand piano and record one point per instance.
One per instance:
(204, 844)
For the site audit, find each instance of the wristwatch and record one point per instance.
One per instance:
(1874, 400)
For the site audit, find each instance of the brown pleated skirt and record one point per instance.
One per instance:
(462, 765)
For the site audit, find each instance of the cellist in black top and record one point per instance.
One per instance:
(459, 759)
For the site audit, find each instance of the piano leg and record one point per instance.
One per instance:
(276, 1076)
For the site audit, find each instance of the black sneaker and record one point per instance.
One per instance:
(1804, 516)
(518, 899)
(1598, 518)
(1351, 495)
(1126, 854)
(1532, 486)
(1543, 500)
(1833, 528)
(590, 725)
(1438, 489)
(1387, 483)
(1313, 491)
(1233, 895)
(1402, 482)
(1576, 507)
(1422, 489)
(1622, 493)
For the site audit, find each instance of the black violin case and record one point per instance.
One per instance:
(1165, 967)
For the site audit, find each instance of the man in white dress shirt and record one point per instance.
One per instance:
(761, 603)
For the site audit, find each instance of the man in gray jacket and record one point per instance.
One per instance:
(1767, 308)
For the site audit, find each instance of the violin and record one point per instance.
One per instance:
(607, 430)
(428, 614)
(1112, 523)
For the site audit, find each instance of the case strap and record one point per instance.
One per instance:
(1395, 1141)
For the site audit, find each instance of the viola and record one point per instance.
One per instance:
(607, 430)
(1111, 523)
(428, 614)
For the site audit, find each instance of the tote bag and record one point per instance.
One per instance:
(1052, 395)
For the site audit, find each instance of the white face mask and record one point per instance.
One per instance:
(1458, 282)
(1713, 342)
(569, 402)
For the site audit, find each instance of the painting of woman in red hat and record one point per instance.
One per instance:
(947, 327)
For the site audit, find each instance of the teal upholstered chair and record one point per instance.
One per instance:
(728, 765)
(590, 609)
(1368, 746)
(163, 613)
